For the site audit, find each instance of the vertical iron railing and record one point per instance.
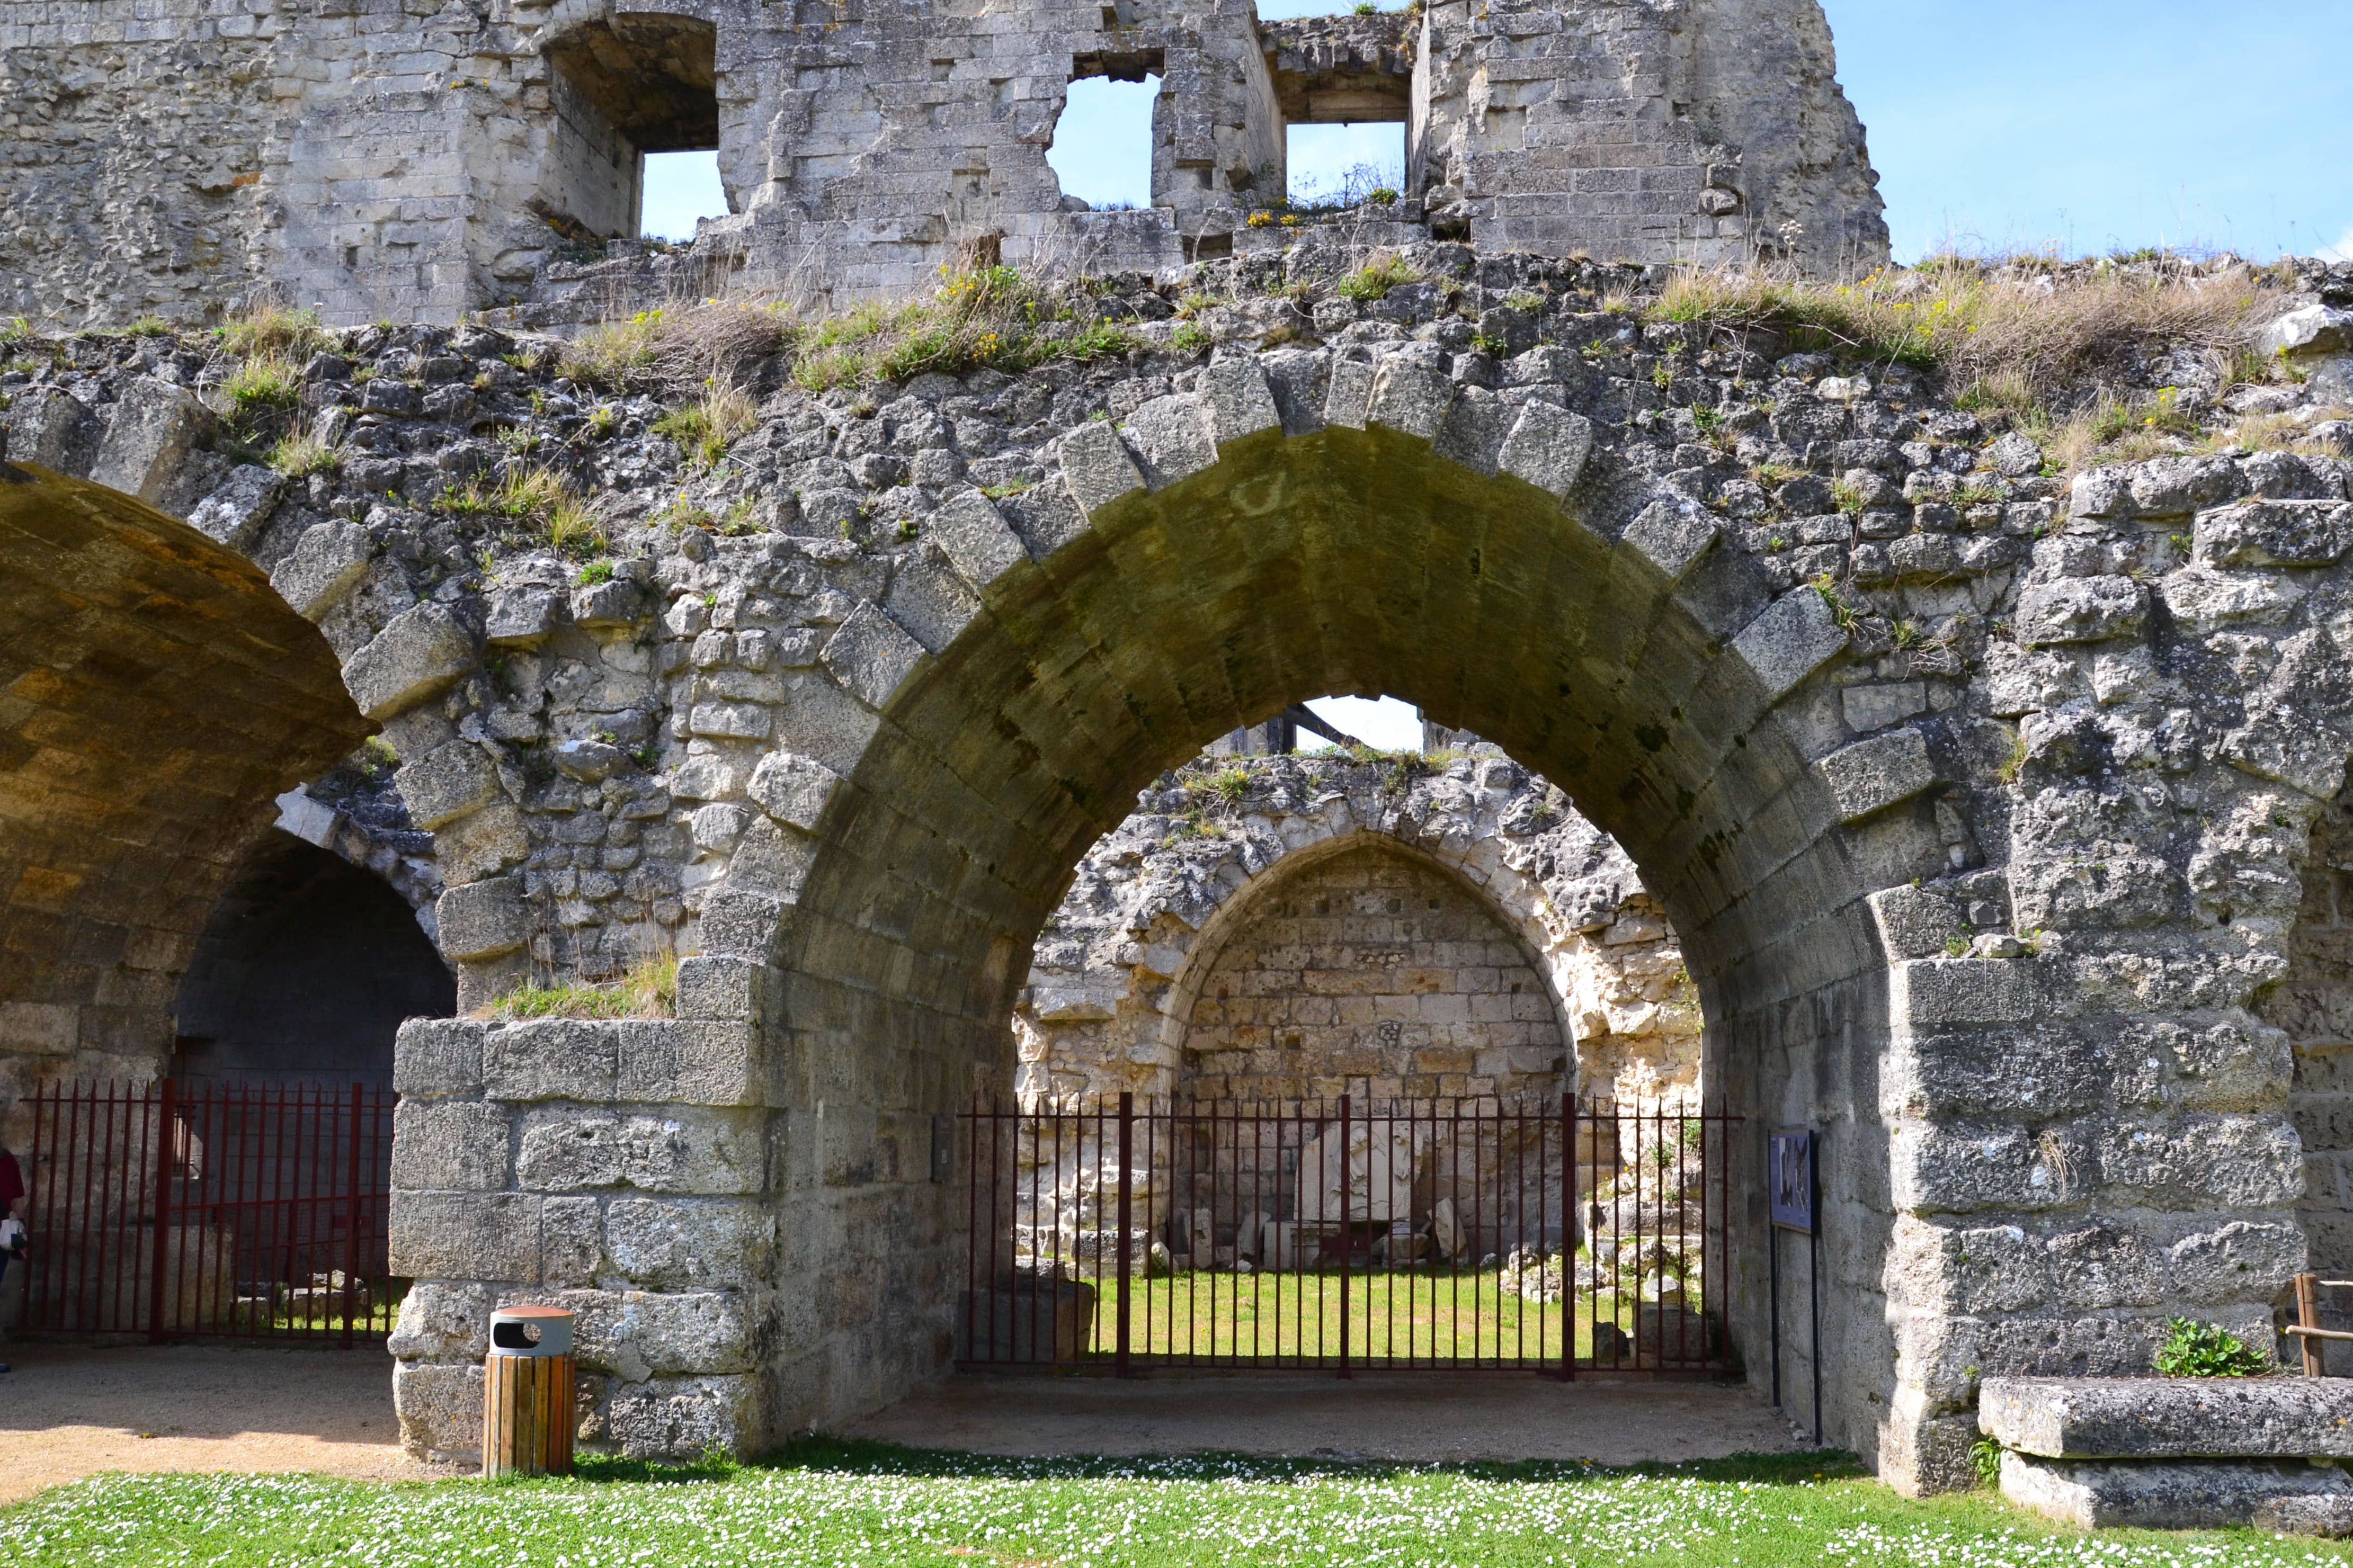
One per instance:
(175, 1209)
(1344, 1235)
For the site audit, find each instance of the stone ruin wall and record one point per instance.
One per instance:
(1302, 927)
(405, 162)
(1995, 904)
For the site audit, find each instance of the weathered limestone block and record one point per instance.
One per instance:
(793, 789)
(1408, 399)
(2169, 1418)
(691, 1061)
(442, 1322)
(421, 654)
(870, 655)
(50, 425)
(439, 1405)
(154, 429)
(447, 783)
(689, 1244)
(1240, 402)
(522, 618)
(973, 536)
(2289, 1497)
(450, 1144)
(483, 920)
(1171, 439)
(2079, 610)
(1672, 536)
(682, 1150)
(1548, 446)
(236, 511)
(1871, 775)
(551, 1058)
(1097, 466)
(326, 563)
(638, 1334)
(466, 1235)
(2275, 533)
(438, 1058)
(1796, 635)
(684, 1417)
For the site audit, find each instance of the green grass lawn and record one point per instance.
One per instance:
(1418, 1314)
(824, 1504)
(1451, 1315)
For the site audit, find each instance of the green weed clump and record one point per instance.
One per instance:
(648, 989)
(537, 498)
(1375, 280)
(268, 380)
(986, 318)
(275, 330)
(704, 429)
(299, 454)
(2194, 1349)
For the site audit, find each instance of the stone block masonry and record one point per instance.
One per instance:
(414, 162)
(841, 715)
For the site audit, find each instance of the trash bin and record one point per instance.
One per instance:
(527, 1379)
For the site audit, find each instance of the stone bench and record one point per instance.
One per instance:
(2175, 1452)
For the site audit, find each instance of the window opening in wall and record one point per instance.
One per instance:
(1343, 165)
(681, 189)
(623, 92)
(1383, 723)
(1102, 150)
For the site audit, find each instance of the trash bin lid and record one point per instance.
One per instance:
(530, 1329)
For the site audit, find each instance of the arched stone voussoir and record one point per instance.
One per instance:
(163, 696)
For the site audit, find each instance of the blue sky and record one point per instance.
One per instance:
(2086, 125)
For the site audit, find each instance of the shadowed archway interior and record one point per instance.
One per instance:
(1342, 561)
(304, 972)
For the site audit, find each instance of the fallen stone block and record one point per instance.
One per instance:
(2169, 1418)
(2292, 1497)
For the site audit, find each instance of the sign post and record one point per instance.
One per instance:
(1793, 1190)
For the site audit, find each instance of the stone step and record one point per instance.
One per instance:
(2291, 1495)
(2169, 1418)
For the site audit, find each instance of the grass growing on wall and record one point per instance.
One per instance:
(649, 989)
(828, 1503)
(982, 318)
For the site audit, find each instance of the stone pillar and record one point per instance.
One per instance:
(614, 1168)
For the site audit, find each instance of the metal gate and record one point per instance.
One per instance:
(1440, 1235)
(175, 1209)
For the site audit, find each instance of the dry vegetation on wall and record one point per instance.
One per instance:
(989, 317)
(2074, 354)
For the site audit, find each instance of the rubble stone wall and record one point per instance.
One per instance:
(411, 161)
(1982, 853)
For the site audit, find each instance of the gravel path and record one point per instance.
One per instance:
(67, 1411)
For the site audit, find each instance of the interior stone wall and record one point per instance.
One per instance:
(1372, 975)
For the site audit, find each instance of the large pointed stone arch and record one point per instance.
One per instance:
(1225, 554)
(160, 696)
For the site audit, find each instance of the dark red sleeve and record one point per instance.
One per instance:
(12, 1182)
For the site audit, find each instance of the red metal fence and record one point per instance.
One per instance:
(174, 1209)
(1331, 1235)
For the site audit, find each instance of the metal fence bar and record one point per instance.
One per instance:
(1527, 1246)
